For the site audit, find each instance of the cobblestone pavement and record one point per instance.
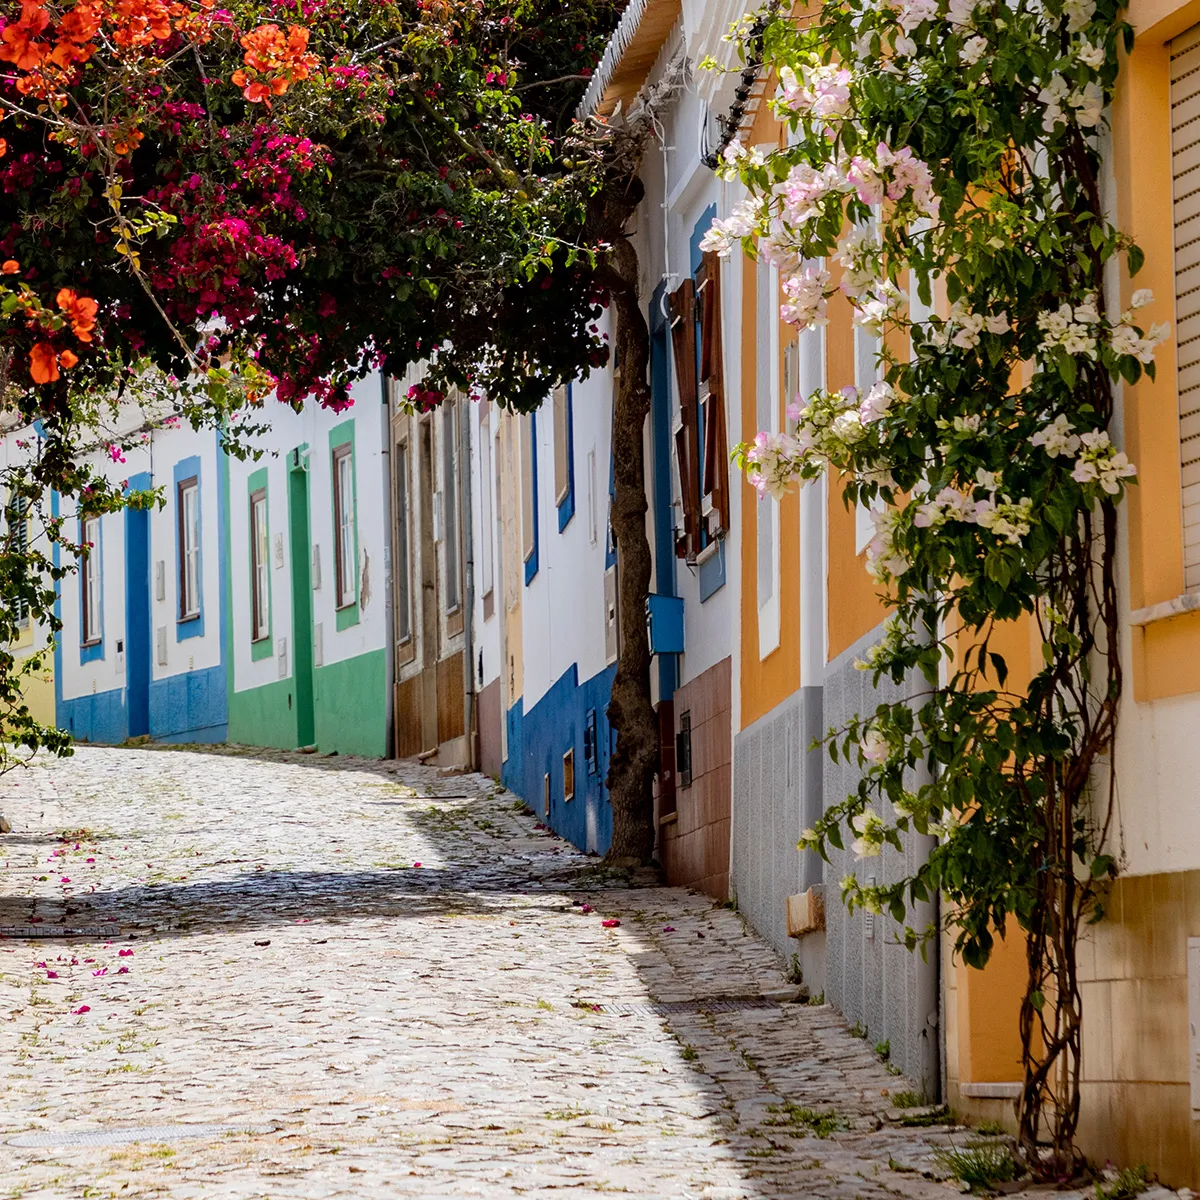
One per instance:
(392, 984)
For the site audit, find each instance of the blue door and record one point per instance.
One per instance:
(137, 620)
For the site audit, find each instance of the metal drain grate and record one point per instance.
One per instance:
(712, 1004)
(133, 1133)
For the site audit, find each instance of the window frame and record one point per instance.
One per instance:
(404, 589)
(89, 576)
(185, 611)
(260, 568)
(451, 530)
(344, 529)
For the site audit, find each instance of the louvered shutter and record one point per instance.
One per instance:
(687, 441)
(712, 372)
(1185, 169)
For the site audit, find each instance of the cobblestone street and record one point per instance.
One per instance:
(383, 982)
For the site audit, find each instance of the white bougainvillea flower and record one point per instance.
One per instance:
(1057, 437)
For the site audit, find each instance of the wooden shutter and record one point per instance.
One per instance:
(1185, 169)
(687, 441)
(712, 372)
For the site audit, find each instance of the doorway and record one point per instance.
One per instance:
(302, 630)
(137, 621)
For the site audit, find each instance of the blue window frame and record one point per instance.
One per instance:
(529, 496)
(91, 590)
(564, 455)
(189, 560)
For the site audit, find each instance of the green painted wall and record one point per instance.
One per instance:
(262, 716)
(351, 705)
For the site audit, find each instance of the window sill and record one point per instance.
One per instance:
(991, 1091)
(346, 605)
(710, 551)
(1178, 607)
(187, 617)
(668, 819)
(90, 645)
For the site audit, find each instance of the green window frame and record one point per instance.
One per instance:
(259, 547)
(343, 495)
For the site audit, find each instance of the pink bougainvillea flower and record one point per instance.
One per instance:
(416, 864)
(65, 879)
(51, 974)
(78, 1012)
(102, 971)
(122, 970)
(585, 908)
(668, 929)
(610, 923)
(124, 953)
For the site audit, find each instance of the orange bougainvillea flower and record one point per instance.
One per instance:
(80, 311)
(10, 266)
(3, 147)
(21, 45)
(68, 360)
(276, 61)
(43, 363)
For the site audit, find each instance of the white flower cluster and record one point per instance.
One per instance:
(1065, 104)
(773, 462)
(885, 558)
(1005, 517)
(868, 824)
(1100, 462)
(964, 328)
(1126, 338)
(821, 91)
(806, 294)
(1057, 438)
(723, 236)
(1074, 328)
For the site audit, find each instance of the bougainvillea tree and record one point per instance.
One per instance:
(206, 209)
(943, 174)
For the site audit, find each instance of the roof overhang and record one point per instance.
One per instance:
(631, 53)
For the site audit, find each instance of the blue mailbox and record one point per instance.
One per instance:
(664, 623)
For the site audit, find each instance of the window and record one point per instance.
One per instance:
(91, 582)
(18, 544)
(188, 509)
(450, 503)
(343, 515)
(487, 484)
(768, 389)
(529, 538)
(569, 775)
(564, 468)
(260, 597)
(683, 750)
(1185, 57)
(403, 553)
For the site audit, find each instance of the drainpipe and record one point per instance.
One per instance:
(389, 607)
(468, 547)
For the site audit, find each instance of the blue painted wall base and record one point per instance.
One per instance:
(191, 707)
(537, 741)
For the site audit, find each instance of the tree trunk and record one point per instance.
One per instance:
(635, 760)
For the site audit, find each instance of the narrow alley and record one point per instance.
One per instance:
(301, 976)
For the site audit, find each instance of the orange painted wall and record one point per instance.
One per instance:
(1167, 653)
(853, 596)
(767, 682)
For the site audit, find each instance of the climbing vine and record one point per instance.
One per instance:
(943, 173)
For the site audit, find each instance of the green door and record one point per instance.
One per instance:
(302, 629)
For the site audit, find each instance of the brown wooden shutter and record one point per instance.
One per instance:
(687, 441)
(712, 372)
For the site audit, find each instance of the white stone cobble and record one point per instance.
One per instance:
(397, 974)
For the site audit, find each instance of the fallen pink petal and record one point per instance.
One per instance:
(77, 1012)
(610, 923)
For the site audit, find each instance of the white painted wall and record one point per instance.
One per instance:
(562, 608)
(167, 447)
(485, 455)
(311, 428)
